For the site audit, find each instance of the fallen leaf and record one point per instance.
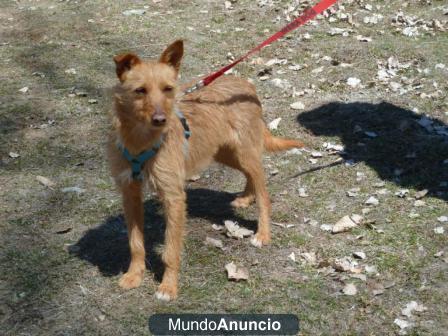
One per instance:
(45, 181)
(370, 269)
(419, 203)
(402, 323)
(353, 82)
(350, 289)
(273, 125)
(73, 190)
(236, 273)
(371, 134)
(326, 227)
(214, 242)
(402, 193)
(235, 231)
(63, 231)
(292, 256)
(439, 230)
(302, 192)
(218, 227)
(411, 307)
(297, 106)
(134, 12)
(420, 194)
(372, 201)
(359, 255)
(442, 219)
(344, 224)
(71, 71)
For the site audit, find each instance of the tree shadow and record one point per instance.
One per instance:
(404, 147)
(106, 246)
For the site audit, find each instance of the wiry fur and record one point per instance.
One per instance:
(226, 123)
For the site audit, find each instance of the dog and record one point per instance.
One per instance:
(150, 144)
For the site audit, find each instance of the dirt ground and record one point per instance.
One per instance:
(372, 78)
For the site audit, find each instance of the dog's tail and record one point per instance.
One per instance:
(276, 144)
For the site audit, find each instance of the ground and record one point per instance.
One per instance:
(62, 252)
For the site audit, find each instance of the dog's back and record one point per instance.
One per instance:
(227, 117)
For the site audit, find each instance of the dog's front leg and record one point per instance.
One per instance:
(133, 212)
(175, 209)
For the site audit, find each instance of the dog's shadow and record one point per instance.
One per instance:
(399, 149)
(106, 246)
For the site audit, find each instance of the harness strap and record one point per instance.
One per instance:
(138, 161)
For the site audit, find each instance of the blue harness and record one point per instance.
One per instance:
(137, 162)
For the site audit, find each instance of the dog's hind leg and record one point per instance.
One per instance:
(228, 157)
(175, 215)
(133, 212)
(253, 166)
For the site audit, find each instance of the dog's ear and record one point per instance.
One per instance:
(173, 55)
(124, 63)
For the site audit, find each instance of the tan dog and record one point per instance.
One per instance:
(226, 125)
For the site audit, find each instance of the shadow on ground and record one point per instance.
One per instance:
(106, 246)
(408, 150)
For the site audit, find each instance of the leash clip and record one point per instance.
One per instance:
(197, 86)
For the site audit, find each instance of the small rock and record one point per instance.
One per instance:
(25, 89)
(14, 155)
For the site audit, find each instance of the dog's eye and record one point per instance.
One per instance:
(140, 90)
(168, 89)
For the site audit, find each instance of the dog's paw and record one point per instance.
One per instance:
(259, 240)
(242, 201)
(131, 280)
(165, 293)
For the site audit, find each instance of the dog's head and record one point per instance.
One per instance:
(147, 90)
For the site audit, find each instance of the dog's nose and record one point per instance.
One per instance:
(159, 119)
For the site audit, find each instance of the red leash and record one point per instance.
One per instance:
(300, 21)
